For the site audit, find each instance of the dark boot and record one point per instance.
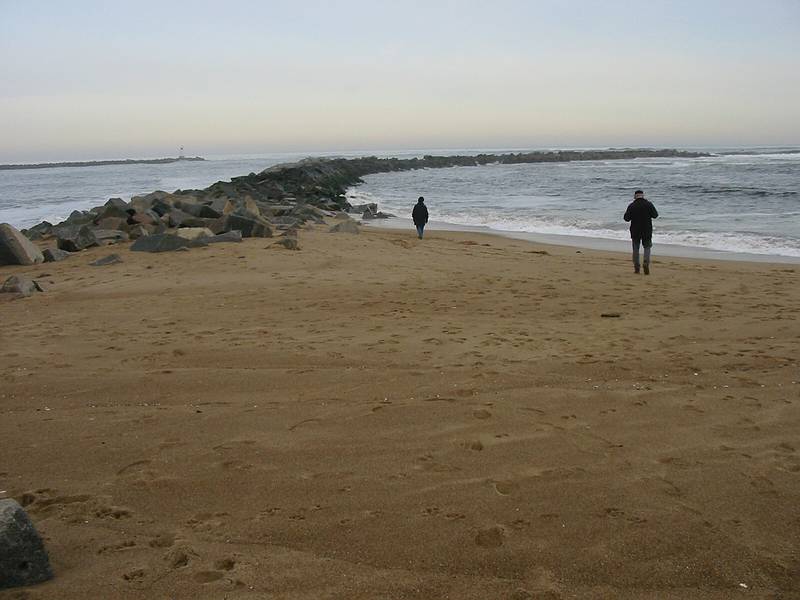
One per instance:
(646, 269)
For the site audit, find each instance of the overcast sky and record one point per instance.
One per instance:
(119, 79)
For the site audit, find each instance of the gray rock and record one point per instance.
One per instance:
(20, 285)
(361, 208)
(215, 225)
(54, 254)
(110, 236)
(249, 224)
(145, 202)
(111, 259)
(161, 207)
(118, 202)
(177, 217)
(74, 238)
(194, 222)
(78, 217)
(39, 232)
(23, 559)
(117, 223)
(137, 231)
(375, 215)
(228, 236)
(348, 226)
(147, 217)
(194, 233)
(275, 210)
(163, 242)
(218, 204)
(202, 211)
(16, 249)
(110, 211)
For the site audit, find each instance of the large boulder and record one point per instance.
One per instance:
(39, 232)
(244, 205)
(163, 242)
(275, 210)
(195, 222)
(228, 236)
(202, 211)
(249, 224)
(20, 285)
(147, 217)
(194, 233)
(54, 254)
(79, 217)
(137, 231)
(177, 217)
(16, 249)
(112, 210)
(117, 223)
(23, 559)
(110, 236)
(348, 226)
(361, 208)
(368, 215)
(145, 202)
(74, 238)
(118, 202)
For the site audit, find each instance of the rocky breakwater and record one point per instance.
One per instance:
(277, 201)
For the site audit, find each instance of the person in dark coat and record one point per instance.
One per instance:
(420, 216)
(641, 213)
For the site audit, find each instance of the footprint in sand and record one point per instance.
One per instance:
(179, 557)
(505, 488)
(162, 540)
(208, 576)
(474, 445)
(481, 413)
(491, 537)
(224, 564)
(118, 547)
(134, 575)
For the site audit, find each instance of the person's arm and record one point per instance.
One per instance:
(426, 215)
(653, 211)
(627, 215)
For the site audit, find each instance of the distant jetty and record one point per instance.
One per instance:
(102, 163)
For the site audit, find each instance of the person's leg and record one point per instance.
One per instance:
(647, 245)
(420, 230)
(635, 243)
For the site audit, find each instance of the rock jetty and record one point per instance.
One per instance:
(279, 199)
(100, 163)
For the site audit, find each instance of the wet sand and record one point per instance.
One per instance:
(381, 417)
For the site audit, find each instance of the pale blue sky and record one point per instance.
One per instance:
(112, 79)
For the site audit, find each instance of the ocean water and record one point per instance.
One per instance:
(731, 203)
(746, 203)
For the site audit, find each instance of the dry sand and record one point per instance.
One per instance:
(379, 417)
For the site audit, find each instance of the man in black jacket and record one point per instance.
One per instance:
(641, 213)
(420, 216)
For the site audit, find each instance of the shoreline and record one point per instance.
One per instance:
(590, 243)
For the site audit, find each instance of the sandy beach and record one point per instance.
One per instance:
(379, 417)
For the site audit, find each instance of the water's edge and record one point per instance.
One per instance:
(587, 243)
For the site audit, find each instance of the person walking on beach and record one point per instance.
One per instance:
(641, 213)
(420, 216)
